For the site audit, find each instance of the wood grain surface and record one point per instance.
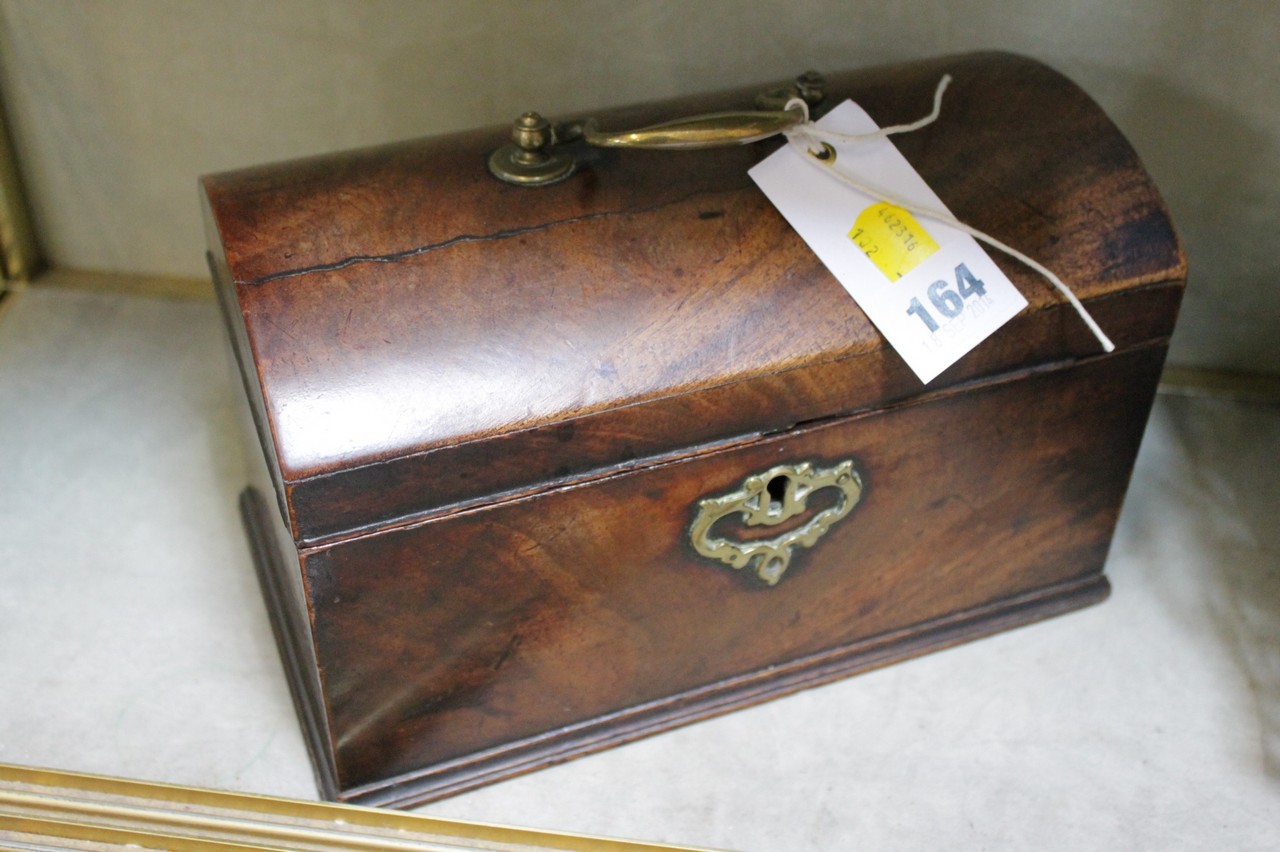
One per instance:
(487, 414)
(413, 320)
(469, 648)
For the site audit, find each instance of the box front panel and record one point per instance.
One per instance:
(494, 630)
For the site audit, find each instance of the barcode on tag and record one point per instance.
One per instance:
(931, 289)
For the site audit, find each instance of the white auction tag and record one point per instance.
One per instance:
(930, 289)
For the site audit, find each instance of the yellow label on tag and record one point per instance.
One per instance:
(892, 239)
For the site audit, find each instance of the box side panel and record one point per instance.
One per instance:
(271, 541)
(276, 562)
(461, 649)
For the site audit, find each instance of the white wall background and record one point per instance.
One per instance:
(117, 106)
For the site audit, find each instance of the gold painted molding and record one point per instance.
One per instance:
(1220, 384)
(19, 254)
(45, 808)
(127, 284)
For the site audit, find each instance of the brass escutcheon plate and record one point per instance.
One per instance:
(773, 497)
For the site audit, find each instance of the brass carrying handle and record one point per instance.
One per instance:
(536, 156)
(700, 131)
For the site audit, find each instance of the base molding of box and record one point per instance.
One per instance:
(633, 723)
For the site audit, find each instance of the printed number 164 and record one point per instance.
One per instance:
(948, 302)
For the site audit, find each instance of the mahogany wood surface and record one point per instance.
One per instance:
(487, 414)
(469, 648)
(413, 320)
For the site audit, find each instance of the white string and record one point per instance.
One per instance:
(832, 136)
(806, 132)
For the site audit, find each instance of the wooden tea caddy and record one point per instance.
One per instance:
(547, 469)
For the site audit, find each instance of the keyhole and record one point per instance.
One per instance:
(777, 489)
